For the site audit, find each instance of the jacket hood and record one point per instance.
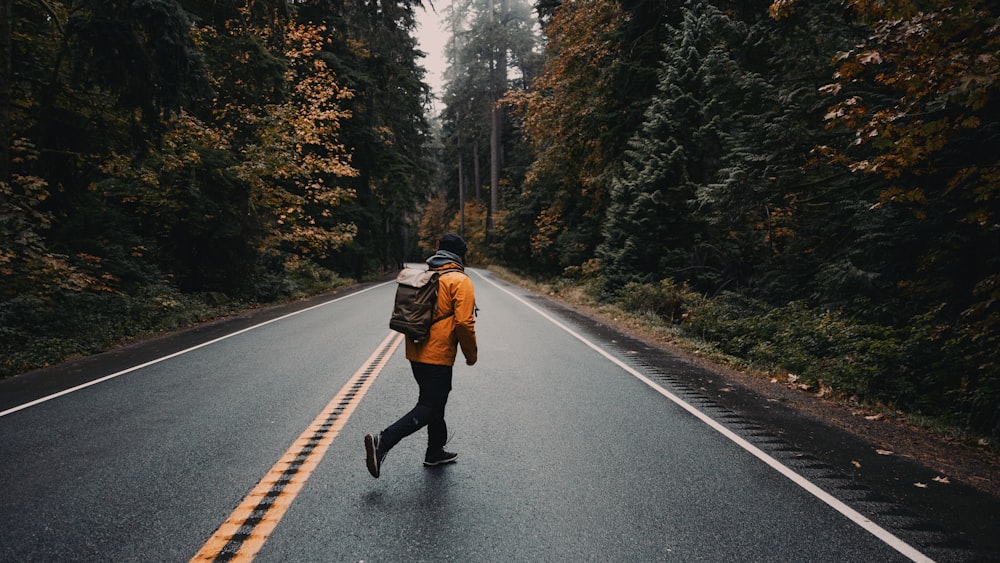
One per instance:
(442, 258)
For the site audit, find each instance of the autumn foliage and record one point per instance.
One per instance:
(812, 186)
(823, 174)
(167, 158)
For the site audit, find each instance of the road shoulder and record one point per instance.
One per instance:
(939, 484)
(33, 385)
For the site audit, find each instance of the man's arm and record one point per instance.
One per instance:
(465, 319)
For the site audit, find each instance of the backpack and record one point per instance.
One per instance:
(416, 301)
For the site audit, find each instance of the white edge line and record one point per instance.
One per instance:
(180, 353)
(881, 533)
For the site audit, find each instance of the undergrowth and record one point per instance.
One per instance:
(37, 331)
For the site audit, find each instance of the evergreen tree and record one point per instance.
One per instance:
(578, 116)
(919, 99)
(778, 214)
(142, 52)
(654, 228)
(374, 53)
(481, 39)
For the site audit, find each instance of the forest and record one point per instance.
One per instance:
(809, 186)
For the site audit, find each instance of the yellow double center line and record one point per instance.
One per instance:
(242, 536)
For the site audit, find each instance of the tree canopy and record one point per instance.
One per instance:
(180, 147)
(828, 156)
(787, 160)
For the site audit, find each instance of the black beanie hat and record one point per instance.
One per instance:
(453, 243)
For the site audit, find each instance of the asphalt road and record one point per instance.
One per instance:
(571, 449)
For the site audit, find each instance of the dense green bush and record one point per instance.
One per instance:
(816, 346)
(922, 368)
(40, 331)
(36, 331)
(665, 300)
(306, 277)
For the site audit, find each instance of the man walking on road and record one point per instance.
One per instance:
(432, 359)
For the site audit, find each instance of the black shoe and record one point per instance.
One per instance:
(439, 457)
(373, 457)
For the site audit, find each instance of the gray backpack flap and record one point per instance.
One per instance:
(416, 301)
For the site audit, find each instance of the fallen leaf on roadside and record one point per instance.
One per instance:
(920, 485)
(883, 452)
(942, 479)
(856, 464)
(874, 417)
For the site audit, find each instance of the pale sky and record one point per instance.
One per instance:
(432, 39)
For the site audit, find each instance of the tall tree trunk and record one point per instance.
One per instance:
(6, 26)
(498, 76)
(461, 191)
(387, 266)
(476, 176)
(458, 121)
(494, 170)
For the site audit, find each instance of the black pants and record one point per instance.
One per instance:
(435, 384)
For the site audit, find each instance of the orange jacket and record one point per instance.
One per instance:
(455, 293)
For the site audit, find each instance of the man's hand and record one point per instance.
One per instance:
(469, 362)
